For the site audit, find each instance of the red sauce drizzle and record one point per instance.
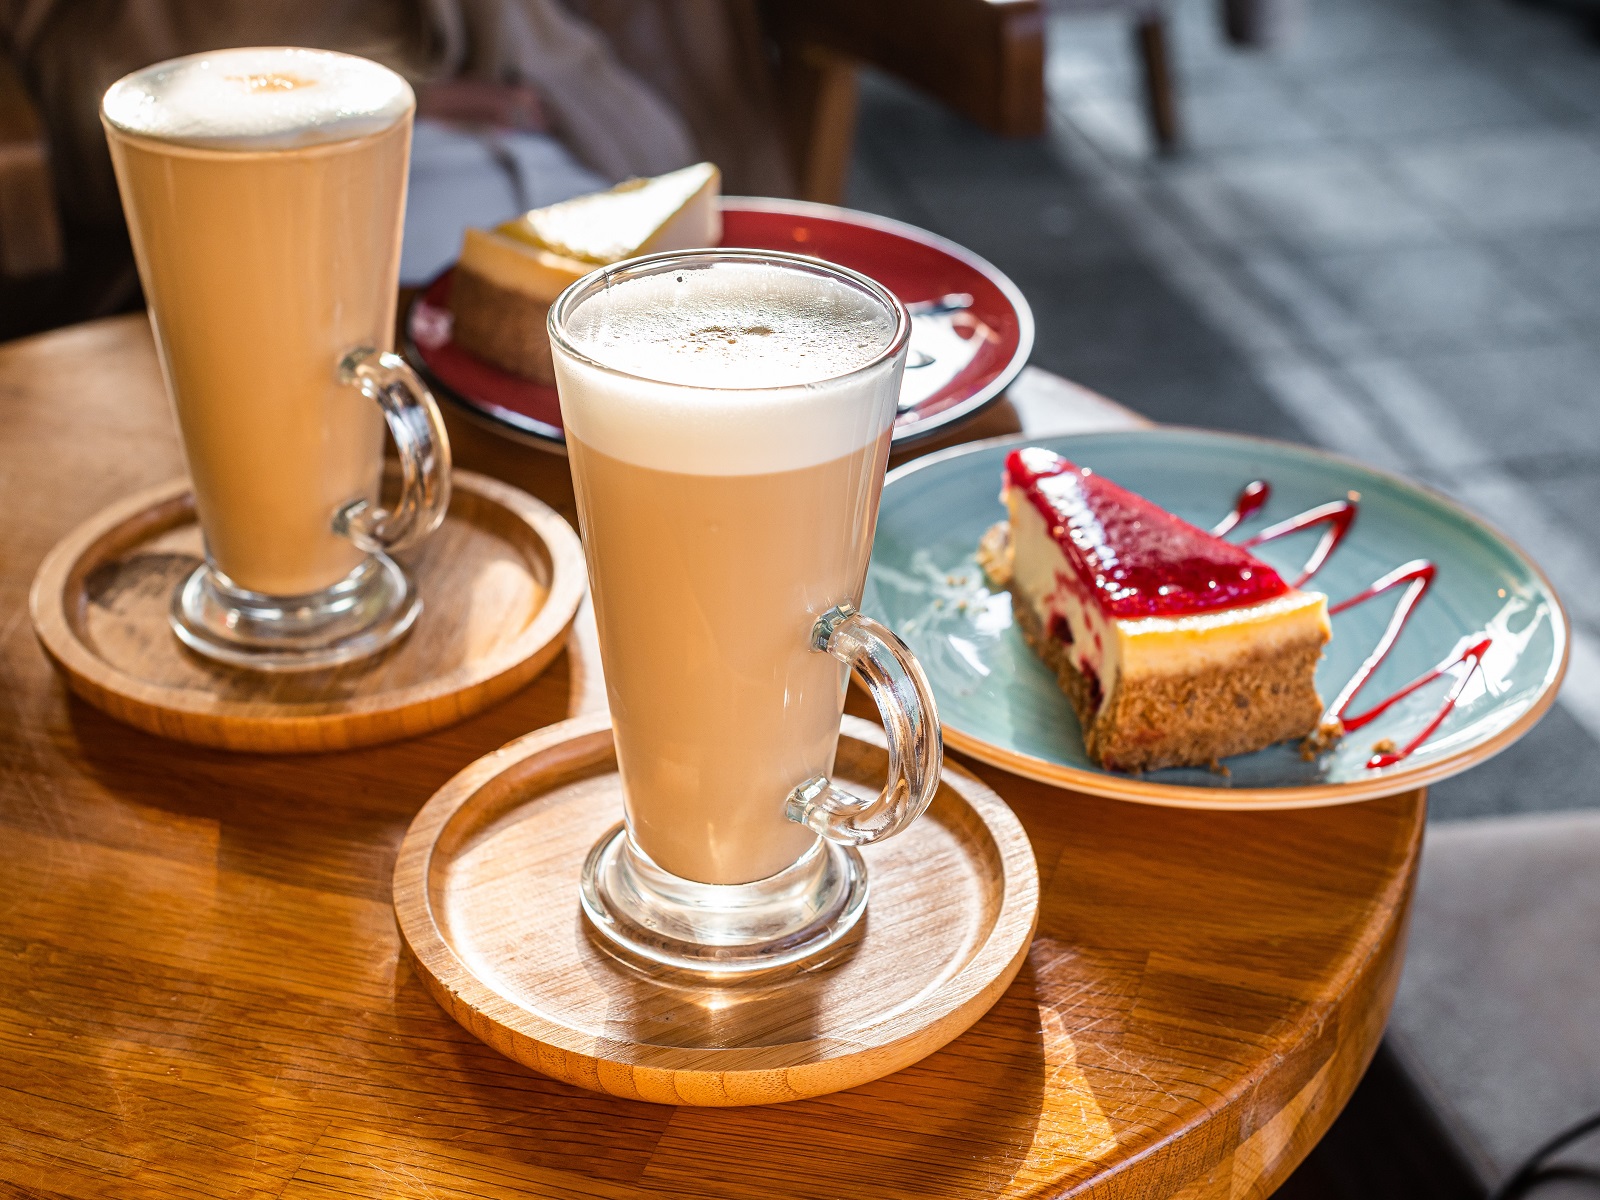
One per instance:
(1255, 494)
(1338, 515)
(1417, 576)
(1473, 655)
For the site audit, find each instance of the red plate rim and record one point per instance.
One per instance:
(545, 436)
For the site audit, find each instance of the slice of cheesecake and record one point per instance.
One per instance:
(507, 277)
(1175, 647)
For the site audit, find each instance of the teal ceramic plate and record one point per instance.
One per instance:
(999, 703)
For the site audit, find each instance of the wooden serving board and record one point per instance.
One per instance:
(500, 582)
(486, 895)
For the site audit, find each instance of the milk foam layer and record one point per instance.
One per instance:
(729, 369)
(270, 98)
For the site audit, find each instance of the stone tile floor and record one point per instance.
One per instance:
(1384, 240)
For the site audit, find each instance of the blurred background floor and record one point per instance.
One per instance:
(1384, 240)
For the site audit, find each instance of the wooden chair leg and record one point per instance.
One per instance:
(1160, 99)
(820, 97)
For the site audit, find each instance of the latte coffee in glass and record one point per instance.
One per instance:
(264, 191)
(728, 417)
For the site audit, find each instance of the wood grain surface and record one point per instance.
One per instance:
(484, 894)
(202, 991)
(500, 580)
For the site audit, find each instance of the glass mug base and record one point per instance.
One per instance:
(653, 918)
(366, 611)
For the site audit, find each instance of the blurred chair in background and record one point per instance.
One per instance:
(1248, 24)
(1150, 39)
(981, 58)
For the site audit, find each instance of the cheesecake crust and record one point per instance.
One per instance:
(1186, 720)
(503, 327)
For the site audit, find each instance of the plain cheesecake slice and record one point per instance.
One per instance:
(507, 277)
(1175, 647)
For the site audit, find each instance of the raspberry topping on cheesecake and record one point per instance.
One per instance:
(1135, 558)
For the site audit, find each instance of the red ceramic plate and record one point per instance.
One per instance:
(971, 329)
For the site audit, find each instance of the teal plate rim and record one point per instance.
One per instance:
(1415, 772)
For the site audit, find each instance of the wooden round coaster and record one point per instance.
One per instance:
(500, 582)
(486, 894)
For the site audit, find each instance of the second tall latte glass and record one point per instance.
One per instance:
(728, 417)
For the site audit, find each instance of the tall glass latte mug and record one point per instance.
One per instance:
(264, 190)
(728, 417)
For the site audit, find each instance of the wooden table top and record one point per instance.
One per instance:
(201, 991)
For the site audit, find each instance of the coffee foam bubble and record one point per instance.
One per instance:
(270, 98)
(736, 368)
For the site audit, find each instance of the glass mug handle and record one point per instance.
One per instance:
(418, 432)
(910, 718)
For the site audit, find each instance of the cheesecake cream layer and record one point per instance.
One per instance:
(518, 267)
(1110, 649)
